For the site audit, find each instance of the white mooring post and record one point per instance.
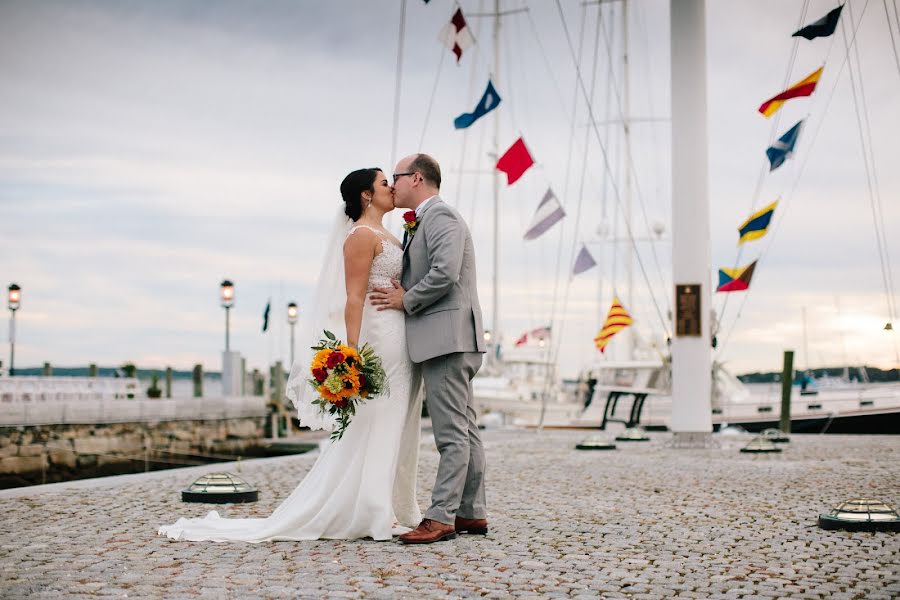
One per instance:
(691, 353)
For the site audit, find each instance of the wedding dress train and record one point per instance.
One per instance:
(363, 484)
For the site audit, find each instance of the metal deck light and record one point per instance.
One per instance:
(220, 488)
(227, 289)
(760, 445)
(14, 299)
(632, 434)
(861, 514)
(595, 442)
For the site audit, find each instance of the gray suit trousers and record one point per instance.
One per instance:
(459, 486)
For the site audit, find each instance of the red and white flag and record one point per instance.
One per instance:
(456, 35)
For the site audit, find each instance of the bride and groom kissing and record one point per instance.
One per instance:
(417, 305)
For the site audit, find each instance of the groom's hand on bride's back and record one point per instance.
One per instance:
(385, 298)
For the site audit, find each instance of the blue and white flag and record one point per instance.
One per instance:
(265, 325)
(784, 147)
(489, 101)
(583, 261)
(548, 212)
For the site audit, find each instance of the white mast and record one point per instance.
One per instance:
(495, 312)
(628, 342)
(691, 353)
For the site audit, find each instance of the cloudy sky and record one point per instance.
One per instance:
(149, 150)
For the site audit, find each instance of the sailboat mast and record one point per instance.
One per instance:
(495, 313)
(628, 342)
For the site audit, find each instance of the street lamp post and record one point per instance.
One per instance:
(292, 320)
(15, 297)
(227, 289)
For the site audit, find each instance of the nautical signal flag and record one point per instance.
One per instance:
(515, 161)
(735, 280)
(804, 87)
(617, 320)
(781, 150)
(540, 334)
(821, 28)
(583, 261)
(548, 212)
(756, 224)
(489, 101)
(456, 35)
(266, 316)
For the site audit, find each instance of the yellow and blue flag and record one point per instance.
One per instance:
(757, 224)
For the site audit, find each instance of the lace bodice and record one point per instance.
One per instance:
(385, 266)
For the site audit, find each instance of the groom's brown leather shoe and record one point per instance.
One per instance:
(476, 526)
(427, 532)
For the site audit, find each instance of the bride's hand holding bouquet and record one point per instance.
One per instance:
(344, 377)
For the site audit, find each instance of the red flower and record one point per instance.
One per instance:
(334, 359)
(409, 216)
(362, 381)
(319, 374)
(341, 403)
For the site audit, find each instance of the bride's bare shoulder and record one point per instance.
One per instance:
(360, 240)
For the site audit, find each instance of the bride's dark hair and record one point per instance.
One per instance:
(353, 186)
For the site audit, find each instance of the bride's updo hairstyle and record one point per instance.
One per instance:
(352, 187)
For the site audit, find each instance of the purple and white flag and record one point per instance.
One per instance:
(548, 212)
(583, 261)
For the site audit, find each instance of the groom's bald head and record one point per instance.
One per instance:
(417, 177)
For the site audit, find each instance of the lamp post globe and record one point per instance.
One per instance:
(14, 299)
(227, 297)
(292, 313)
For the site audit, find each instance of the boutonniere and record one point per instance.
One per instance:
(410, 223)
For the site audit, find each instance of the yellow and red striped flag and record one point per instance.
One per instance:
(804, 87)
(617, 320)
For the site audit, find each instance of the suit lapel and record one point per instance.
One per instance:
(408, 239)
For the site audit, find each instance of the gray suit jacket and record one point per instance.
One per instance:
(441, 300)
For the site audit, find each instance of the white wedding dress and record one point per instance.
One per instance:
(363, 485)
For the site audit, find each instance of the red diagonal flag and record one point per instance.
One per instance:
(456, 35)
(515, 161)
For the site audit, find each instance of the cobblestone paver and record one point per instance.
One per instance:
(643, 521)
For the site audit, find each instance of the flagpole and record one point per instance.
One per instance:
(495, 312)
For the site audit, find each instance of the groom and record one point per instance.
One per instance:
(444, 334)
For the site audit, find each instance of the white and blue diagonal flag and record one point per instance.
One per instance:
(489, 101)
(583, 261)
(781, 150)
(548, 213)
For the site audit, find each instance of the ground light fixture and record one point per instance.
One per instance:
(220, 488)
(760, 445)
(861, 514)
(595, 442)
(776, 436)
(632, 434)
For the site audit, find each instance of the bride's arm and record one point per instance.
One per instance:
(359, 252)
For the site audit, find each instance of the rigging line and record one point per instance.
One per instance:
(891, 31)
(474, 70)
(434, 88)
(550, 70)
(773, 131)
(572, 128)
(399, 76)
(873, 189)
(632, 173)
(800, 172)
(606, 164)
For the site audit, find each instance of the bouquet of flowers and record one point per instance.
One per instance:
(344, 377)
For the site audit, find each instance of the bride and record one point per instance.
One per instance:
(363, 485)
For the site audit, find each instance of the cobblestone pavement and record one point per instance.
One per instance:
(643, 521)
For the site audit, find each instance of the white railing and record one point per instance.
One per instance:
(16, 390)
(104, 410)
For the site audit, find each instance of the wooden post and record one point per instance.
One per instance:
(787, 381)
(168, 382)
(92, 370)
(198, 381)
(48, 370)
